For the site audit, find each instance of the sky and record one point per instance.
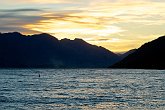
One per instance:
(118, 25)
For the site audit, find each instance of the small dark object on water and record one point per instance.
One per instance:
(39, 75)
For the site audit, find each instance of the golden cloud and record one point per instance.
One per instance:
(113, 24)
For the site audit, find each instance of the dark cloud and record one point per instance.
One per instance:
(101, 39)
(15, 19)
(104, 39)
(21, 10)
(19, 19)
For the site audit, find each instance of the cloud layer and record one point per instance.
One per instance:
(118, 25)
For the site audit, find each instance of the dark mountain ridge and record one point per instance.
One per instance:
(127, 53)
(149, 56)
(46, 51)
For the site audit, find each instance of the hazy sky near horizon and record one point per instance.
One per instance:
(118, 25)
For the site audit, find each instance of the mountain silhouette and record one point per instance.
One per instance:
(127, 53)
(46, 51)
(149, 56)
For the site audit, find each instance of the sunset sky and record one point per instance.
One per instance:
(118, 25)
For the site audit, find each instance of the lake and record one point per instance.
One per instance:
(82, 89)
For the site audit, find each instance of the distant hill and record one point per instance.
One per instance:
(149, 56)
(127, 53)
(46, 51)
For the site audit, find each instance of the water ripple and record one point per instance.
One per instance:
(82, 89)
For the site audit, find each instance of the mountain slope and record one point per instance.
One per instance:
(127, 53)
(149, 56)
(46, 51)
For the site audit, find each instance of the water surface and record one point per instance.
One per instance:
(82, 89)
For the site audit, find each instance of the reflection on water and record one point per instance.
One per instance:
(82, 89)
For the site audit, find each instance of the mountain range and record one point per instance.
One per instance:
(149, 56)
(46, 51)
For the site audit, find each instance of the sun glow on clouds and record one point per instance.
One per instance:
(51, 28)
(118, 25)
(79, 24)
